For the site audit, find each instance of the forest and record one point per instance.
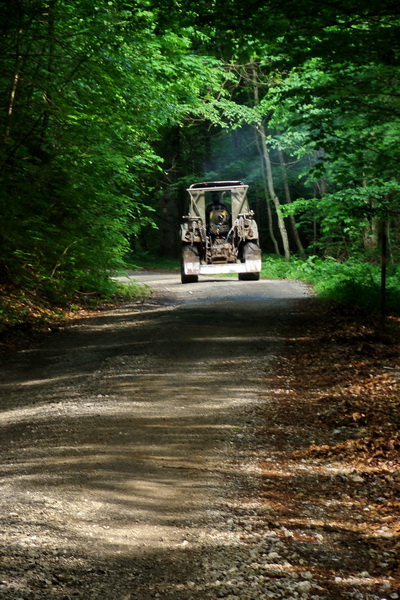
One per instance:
(111, 109)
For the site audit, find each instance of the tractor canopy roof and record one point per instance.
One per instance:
(234, 194)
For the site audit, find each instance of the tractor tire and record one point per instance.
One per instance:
(249, 276)
(247, 250)
(184, 277)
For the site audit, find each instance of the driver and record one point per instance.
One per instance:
(217, 214)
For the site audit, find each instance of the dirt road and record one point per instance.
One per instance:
(120, 440)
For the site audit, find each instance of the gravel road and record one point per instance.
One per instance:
(127, 450)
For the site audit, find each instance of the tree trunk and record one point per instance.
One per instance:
(384, 260)
(372, 230)
(168, 216)
(271, 190)
(14, 86)
(268, 169)
(286, 187)
(267, 199)
(371, 235)
(47, 95)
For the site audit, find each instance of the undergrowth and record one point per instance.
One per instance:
(353, 282)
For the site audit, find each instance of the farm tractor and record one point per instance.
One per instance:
(219, 233)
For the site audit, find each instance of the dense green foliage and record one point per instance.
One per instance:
(352, 282)
(111, 108)
(87, 87)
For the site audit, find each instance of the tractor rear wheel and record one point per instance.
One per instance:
(249, 249)
(192, 250)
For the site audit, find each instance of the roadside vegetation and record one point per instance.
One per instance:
(354, 282)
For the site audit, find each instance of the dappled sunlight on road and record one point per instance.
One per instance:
(122, 441)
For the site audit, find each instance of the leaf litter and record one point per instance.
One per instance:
(329, 450)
